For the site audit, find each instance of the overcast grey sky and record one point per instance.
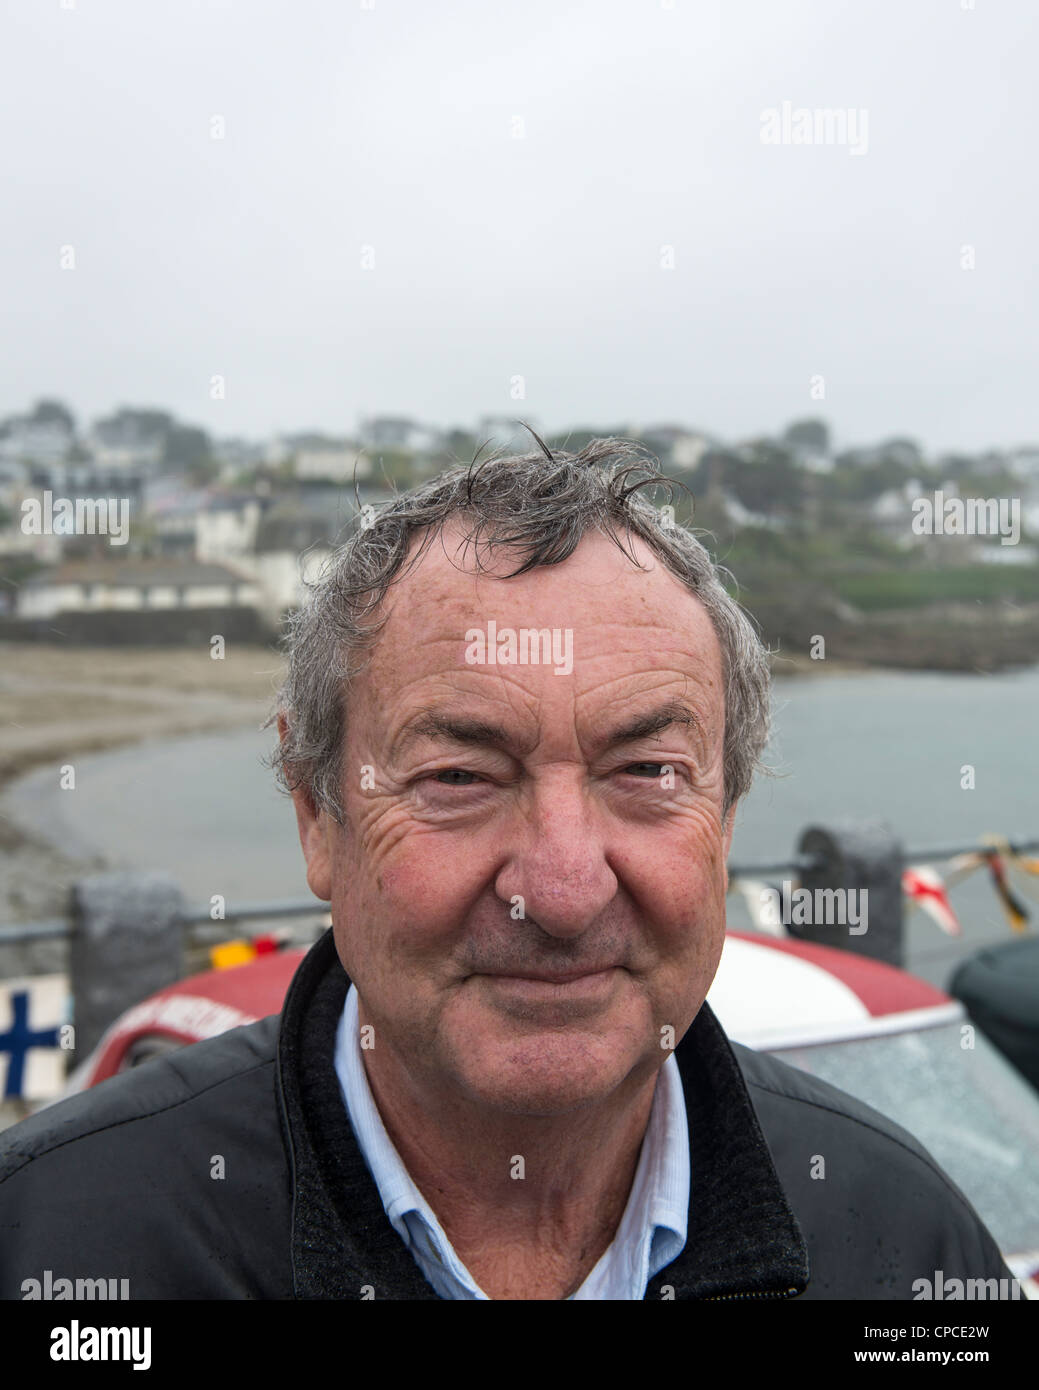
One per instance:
(391, 124)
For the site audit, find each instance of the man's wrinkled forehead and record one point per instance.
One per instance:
(451, 625)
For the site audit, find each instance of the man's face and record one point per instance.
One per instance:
(523, 896)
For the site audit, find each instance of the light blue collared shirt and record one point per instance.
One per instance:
(652, 1231)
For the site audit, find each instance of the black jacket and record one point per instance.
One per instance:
(123, 1181)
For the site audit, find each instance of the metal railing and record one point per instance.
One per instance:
(21, 932)
(808, 863)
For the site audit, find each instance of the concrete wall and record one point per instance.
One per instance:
(143, 627)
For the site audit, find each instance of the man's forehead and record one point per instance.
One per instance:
(634, 637)
(596, 585)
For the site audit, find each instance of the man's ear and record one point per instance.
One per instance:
(314, 827)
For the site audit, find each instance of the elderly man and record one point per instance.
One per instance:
(520, 713)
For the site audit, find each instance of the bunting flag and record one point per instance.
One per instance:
(924, 888)
(961, 867)
(1015, 910)
(1017, 913)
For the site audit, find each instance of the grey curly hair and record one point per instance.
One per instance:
(538, 505)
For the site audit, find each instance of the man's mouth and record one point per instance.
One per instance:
(554, 978)
(572, 985)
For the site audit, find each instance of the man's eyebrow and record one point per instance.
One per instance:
(655, 721)
(457, 728)
(453, 728)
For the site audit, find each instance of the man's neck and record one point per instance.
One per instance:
(529, 1203)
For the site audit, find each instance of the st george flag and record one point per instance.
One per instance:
(923, 886)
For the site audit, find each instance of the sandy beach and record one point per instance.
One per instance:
(59, 703)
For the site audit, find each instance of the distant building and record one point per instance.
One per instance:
(87, 478)
(14, 478)
(44, 442)
(235, 455)
(57, 495)
(45, 549)
(506, 434)
(334, 465)
(199, 522)
(171, 511)
(743, 516)
(134, 584)
(122, 445)
(1025, 461)
(295, 540)
(226, 527)
(282, 577)
(676, 446)
(399, 432)
(892, 511)
(991, 463)
(996, 554)
(275, 451)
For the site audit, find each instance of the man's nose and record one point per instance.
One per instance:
(557, 863)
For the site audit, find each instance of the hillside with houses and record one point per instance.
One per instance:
(820, 540)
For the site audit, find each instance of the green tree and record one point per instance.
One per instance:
(53, 412)
(395, 465)
(811, 435)
(765, 478)
(189, 449)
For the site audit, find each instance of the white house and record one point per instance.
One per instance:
(684, 447)
(226, 527)
(282, 576)
(91, 586)
(35, 441)
(121, 445)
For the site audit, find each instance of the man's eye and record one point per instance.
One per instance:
(655, 769)
(451, 777)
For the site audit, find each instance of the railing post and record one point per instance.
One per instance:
(856, 857)
(127, 942)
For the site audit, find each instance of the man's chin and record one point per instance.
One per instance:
(543, 1074)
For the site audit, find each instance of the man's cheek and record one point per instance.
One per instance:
(410, 895)
(683, 886)
(382, 830)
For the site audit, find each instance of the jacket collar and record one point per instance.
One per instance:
(743, 1239)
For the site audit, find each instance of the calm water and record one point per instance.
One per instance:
(868, 745)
